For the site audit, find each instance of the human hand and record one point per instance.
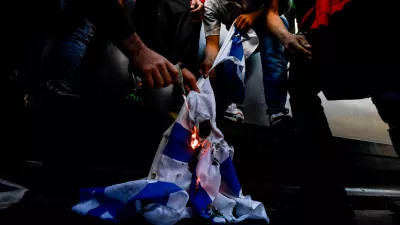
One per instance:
(197, 10)
(296, 46)
(205, 68)
(189, 81)
(244, 22)
(155, 70)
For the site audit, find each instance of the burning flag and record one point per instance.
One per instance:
(195, 138)
(211, 186)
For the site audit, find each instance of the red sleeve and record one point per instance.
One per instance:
(200, 0)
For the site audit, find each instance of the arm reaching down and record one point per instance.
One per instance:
(295, 45)
(108, 16)
(245, 21)
(154, 69)
(210, 53)
(212, 28)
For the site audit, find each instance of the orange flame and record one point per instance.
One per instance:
(197, 182)
(195, 139)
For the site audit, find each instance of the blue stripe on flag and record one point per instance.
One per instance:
(199, 198)
(178, 146)
(106, 203)
(237, 47)
(97, 212)
(157, 192)
(228, 175)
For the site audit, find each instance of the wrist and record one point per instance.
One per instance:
(133, 44)
(209, 59)
(211, 54)
(284, 36)
(253, 16)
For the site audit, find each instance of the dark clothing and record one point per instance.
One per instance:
(37, 17)
(38, 21)
(230, 89)
(227, 86)
(167, 28)
(76, 24)
(274, 65)
(65, 59)
(308, 113)
(106, 15)
(344, 67)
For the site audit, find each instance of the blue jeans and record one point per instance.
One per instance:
(274, 65)
(69, 48)
(229, 88)
(66, 56)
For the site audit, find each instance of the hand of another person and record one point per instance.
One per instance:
(197, 10)
(296, 46)
(205, 68)
(155, 70)
(244, 22)
(190, 81)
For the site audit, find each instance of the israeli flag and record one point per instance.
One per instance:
(237, 47)
(212, 188)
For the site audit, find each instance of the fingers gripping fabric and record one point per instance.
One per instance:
(237, 47)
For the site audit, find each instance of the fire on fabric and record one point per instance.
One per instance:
(195, 142)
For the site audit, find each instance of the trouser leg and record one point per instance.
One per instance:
(317, 154)
(274, 65)
(317, 163)
(388, 105)
(228, 87)
(395, 136)
(308, 113)
(66, 56)
(66, 123)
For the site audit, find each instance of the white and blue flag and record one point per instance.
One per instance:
(237, 47)
(212, 189)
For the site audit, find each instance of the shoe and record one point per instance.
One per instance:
(233, 113)
(280, 120)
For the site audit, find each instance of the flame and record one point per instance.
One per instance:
(195, 142)
(195, 139)
(197, 182)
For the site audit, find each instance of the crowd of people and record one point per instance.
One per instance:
(170, 36)
(330, 52)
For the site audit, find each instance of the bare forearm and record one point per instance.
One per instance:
(212, 47)
(259, 14)
(211, 51)
(295, 45)
(274, 22)
(132, 45)
(276, 27)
